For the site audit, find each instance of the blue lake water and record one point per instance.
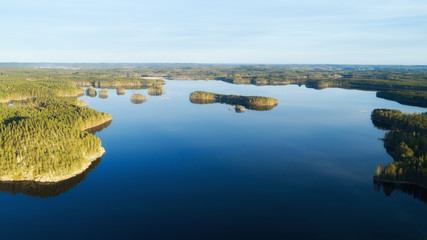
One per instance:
(178, 170)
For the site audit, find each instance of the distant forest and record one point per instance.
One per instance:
(404, 84)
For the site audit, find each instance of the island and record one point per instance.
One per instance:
(250, 102)
(91, 92)
(120, 91)
(103, 94)
(137, 98)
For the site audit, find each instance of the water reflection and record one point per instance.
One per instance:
(46, 190)
(388, 188)
(244, 104)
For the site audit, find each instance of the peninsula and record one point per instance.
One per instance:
(406, 143)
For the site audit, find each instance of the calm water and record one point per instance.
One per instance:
(177, 170)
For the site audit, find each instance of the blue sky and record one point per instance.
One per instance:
(233, 31)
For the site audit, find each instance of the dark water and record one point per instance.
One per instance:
(177, 170)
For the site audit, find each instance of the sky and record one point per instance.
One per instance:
(219, 31)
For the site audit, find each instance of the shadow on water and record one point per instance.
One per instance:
(46, 190)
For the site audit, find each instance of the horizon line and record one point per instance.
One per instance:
(217, 63)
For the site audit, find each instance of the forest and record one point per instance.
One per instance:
(406, 142)
(395, 119)
(44, 139)
(413, 98)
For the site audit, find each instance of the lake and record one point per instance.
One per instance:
(178, 170)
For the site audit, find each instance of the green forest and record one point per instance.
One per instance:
(413, 98)
(406, 143)
(395, 119)
(45, 139)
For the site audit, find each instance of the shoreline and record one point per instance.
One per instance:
(97, 124)
(56, 179)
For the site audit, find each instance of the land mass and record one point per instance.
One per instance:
(251, 102)
(406, 142)
(45, 140)
(383, 78)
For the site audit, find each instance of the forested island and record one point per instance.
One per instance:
(251, 102)
(103, 94)
(120, 91)
(406, 143)
(156, 90)
(137, 98)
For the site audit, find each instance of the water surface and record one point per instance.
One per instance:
(178, 170)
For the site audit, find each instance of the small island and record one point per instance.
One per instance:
(120, 91)
(103, 94)
(91, 92)
(250, 102)
(137, 98)
(239, 109)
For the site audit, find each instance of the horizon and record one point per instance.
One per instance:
(222, 63)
